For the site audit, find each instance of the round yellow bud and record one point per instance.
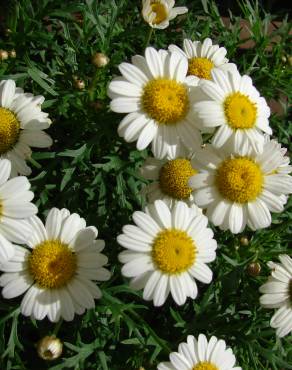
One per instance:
(254, 269)
(100, 60)
(3, 54)
(79, 84)
(12, 53)
(244, 241)
(49, 348)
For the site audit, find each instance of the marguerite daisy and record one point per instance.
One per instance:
(57, 270)
(158, 95)
(241, 188)
(21, 126)
(158, 13)
(15, 209)
(201, 354)
(169, 178)
(203, 57)
(167, 251)
(234, 105)
(277, 293)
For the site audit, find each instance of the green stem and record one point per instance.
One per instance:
(149, 37)
(57, 327)
(93, 85)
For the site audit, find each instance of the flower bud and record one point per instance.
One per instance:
(49, 348)
(254, 269)
(12, 53)
(3, 55)
(100, 60)
(244, 241)
(79, 84)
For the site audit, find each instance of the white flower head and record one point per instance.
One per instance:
(242, 188)
(234, 106)
(158, 95)
(201, 354)
(158, 13)
(15, 210)
(57, 270)
(167, 250)
(277, 293)
(21, 126)
(203, 57)
(169, 178)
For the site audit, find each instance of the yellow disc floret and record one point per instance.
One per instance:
(174, 176)
(160, 12)
(165, 101)
(205, 365)
(9, 130)
(52, 264)
(239, 179)
(200, 67)
(240, 111)
(173, 251)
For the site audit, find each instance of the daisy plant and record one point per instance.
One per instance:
(158, 96)
(277, 293)
(201, 354)
(167, 250)
(234, 106)
(203, 57)
(242, 188)
(15, 210)
(21, 126)
(57, 270)
(158, 13)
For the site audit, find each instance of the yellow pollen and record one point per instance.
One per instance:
(200, 67)
(165, 101)
(205, 365)
(240, 111)
(174, 176)
(173, 251)
(160, 12)
(52, 264)
(239, 179)
(9, 130)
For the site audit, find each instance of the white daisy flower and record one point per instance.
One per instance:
(21, 126)
(167, 251)
(203, 57)
(15, 209)
(158, 13)
(57, 271)
(277, 293)
(169, 178)
(158, 95)
(201, 354)
(241, 188)
(234, 105)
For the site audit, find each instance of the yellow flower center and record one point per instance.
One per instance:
(240, 111)
(174, 176)
(165, 101)
(160, 12)
(52, 264)
(173, 251)
(9, 130)
(239, 179)
(205, 365)
(200, 67)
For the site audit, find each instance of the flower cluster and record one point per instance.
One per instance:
(172, 98)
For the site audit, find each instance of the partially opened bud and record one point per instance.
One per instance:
(99, 60)
(244, 241)
(49, 348)
(79, 84)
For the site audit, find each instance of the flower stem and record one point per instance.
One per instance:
(57, 327)
(148, 37)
